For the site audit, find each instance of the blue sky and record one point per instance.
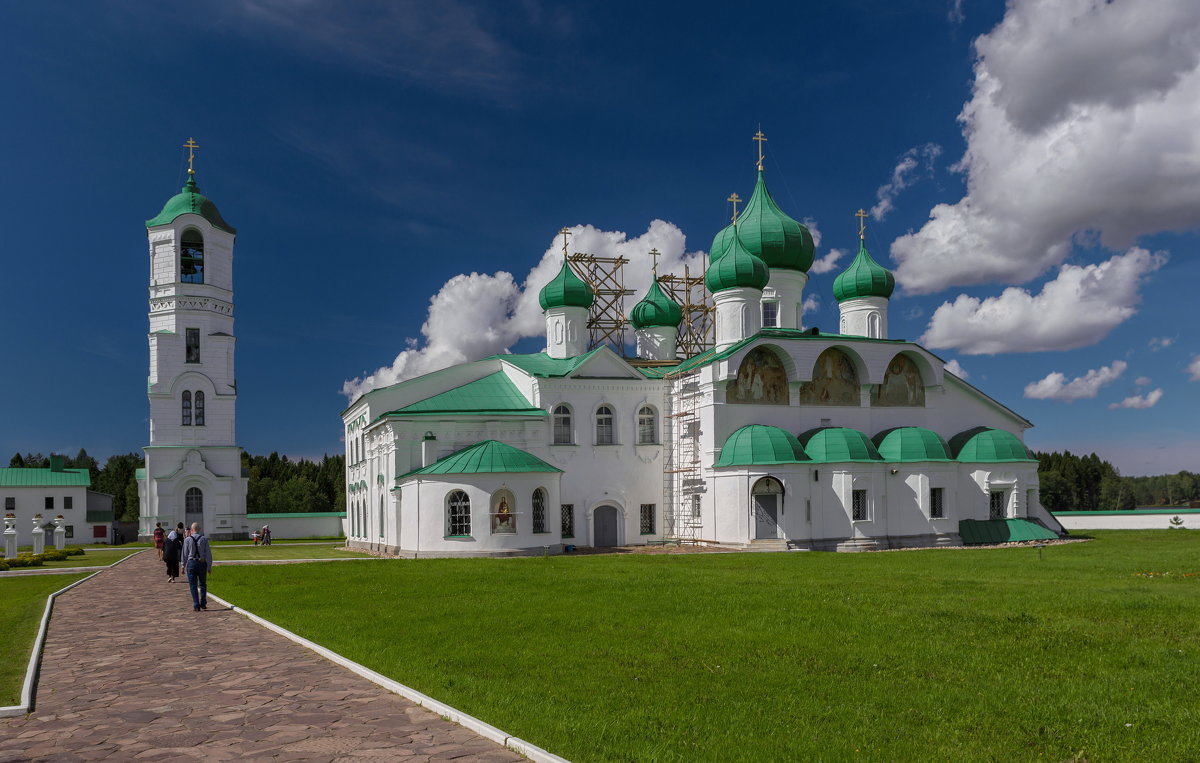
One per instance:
(371, 154)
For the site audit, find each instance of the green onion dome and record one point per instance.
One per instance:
(190, 201)
(838, 444)
(566, 290)
(736, 268)
(721, 242)
(655, 309)
(864, 278)
(771, 235)
(911, 444)
(987, 445)
(758, 444)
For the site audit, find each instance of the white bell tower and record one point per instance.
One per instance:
(193, 467)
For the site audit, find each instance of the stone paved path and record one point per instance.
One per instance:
(131, 673)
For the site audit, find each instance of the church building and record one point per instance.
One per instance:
(193, 469)
(776, 437)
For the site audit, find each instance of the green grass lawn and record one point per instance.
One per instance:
(939, 654)
(92, 557)
(279, 541)
(22, 601)
(286, 551)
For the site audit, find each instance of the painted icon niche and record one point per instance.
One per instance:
(834, 381)
(902, 385)
(761, 380)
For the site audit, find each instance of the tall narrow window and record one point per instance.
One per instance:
(604, 425)
(647, 426)
(50, 502)
(187, 409)
(380, 516)
(770, 314)
(191, 257)
(695, 507)
(68, 502)
(936, 509)
(192, 339)
(996, 505)
(539, 511)
(568, 520)
(10, 504)
(858, 507)
(199, 408)
(458, 514)
(562, 425)
(647, 519)
(193, 501)
(873, 325)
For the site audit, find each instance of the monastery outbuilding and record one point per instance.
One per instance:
(775, 436)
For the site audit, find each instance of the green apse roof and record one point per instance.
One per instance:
(566, 290)
(837, 445)
(737, 267)
(977, 531)
(493, 395)
(24, 476)
(761, 445)
(655, 309)
(487, 457)
(542, 365)
(771, 235)
(911, 444)
(987, 445)
(190, 201)
(721, 242)
(864, 278)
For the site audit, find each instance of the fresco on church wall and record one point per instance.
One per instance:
(834, 381)
(761, 380)
(902, 385)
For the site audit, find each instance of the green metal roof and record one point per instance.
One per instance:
(487, 457)
(32, 477)
(566, 289)
(978, 531)
(911, 444)
(736, 268)
(190, 201)
(761, 445)
(655, 309)
(838, 445)
(721, 242)
(493, 394)
(542, 365)
(863, 278)
(771, 235)
(987, 445)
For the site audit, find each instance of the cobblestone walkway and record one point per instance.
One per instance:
(131, 673)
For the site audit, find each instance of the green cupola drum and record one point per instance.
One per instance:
(862, 291)
(565, 302)
(656, 320)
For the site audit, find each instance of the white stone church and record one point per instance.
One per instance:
(777, 437)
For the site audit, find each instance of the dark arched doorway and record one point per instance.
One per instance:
(604, 524)
(767, 500)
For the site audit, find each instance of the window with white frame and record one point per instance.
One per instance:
(568, 520)
(770, 314)
(563, 434)
(604, 426)
(199, 408)
(539, 511)
(647, 519)
(647, 426)
(937, 509)
(858, 505)
(186, 419)
(458, 514)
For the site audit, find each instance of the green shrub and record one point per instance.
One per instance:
(74, 550)
(54, 555)
(3, 565)
(29, 560)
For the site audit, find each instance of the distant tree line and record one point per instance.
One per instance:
(1087, 483)
(277, 485)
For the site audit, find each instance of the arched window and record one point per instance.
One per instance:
(873, 325)
(539, 511)
(604, 426)
(187, 409)
(193, 501)
(458, 513)
(647, 426)
(191, 257)
(563, 434)
(199, 408)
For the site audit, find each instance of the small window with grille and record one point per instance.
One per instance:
(647, 523)
(568, 520)
(539, 511)
(858, 507)
(936, 508)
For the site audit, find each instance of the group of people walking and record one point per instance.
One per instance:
(192, 549)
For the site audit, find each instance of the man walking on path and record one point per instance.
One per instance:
(197, 560)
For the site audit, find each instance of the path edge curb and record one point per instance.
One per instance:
(35, 655)
(529, 750)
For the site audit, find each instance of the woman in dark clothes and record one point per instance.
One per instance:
(172, 550)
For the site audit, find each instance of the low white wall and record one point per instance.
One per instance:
(316, 525)
(1127, 520)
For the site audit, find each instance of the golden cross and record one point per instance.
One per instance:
(654, 255)
(862, 224)
(565, 233)
(758, 136)
(191, 146)
(735, 199)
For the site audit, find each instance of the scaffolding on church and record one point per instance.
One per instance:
(688, 291)
(683, 480)
(606, 318)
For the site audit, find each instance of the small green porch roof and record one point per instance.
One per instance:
(761, 445)
(838, 445)
(24, 476)
(487, 457)
(980, 531)
(987, 445)
(911, 444)
(494, 394)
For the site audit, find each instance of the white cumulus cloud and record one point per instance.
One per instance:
(1193, 369)
(828, 262)
(1056, 386)
(904, 175)
(1142, 381)
(1148, 400)
(1081, 126)
(956, 368)
(1161, 342)
(478, 314)
(1078, 308)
